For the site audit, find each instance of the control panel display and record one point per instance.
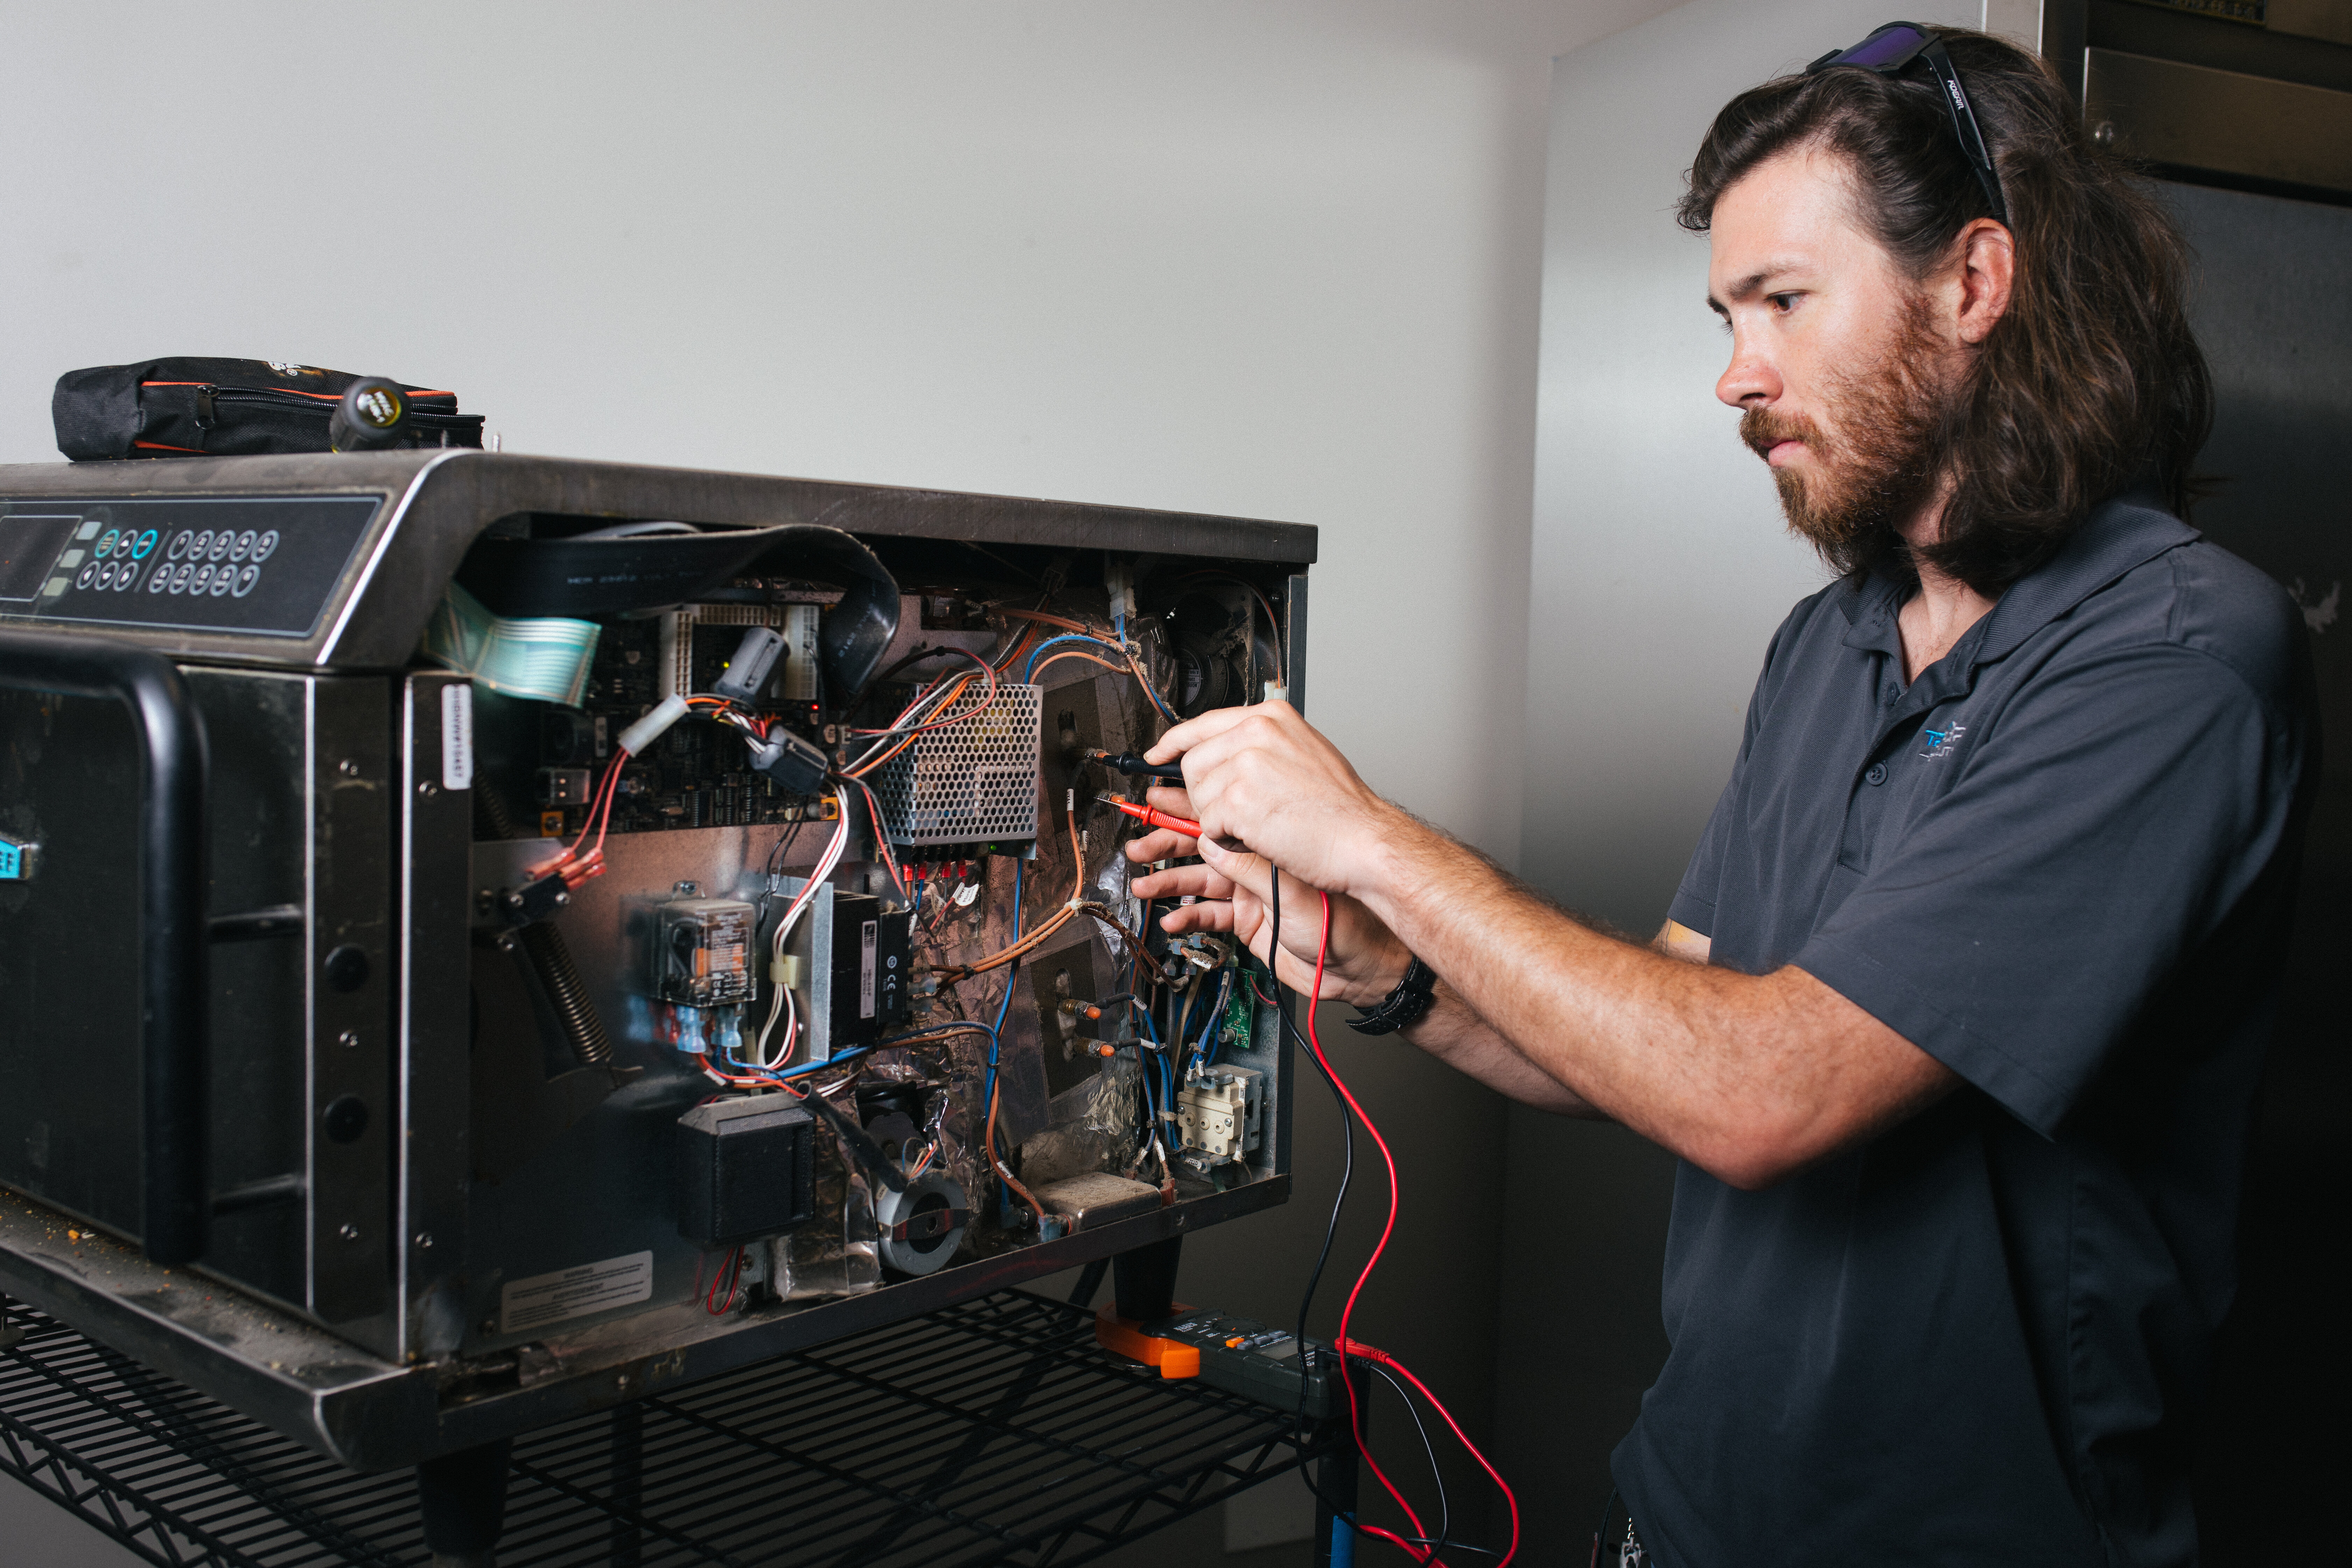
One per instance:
(261, 564)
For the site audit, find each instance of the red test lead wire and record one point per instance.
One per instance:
(1151, 819)
(1350, 1346)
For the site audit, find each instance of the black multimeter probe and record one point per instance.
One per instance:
(1135, 767)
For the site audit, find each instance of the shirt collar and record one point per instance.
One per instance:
(2122, 532)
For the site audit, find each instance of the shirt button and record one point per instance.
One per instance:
(1877, 773)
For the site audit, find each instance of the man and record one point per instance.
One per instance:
(1956, 1020)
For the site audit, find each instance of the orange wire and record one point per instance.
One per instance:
(1045, 619)
(1075, 653)
(1011, 1180)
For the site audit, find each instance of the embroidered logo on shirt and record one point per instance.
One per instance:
(1941, 741)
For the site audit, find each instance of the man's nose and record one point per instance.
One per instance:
(1750, 379)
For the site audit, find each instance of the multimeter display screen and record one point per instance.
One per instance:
(28, 546)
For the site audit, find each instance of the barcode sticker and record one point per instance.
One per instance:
(869, 937)
(458, 736)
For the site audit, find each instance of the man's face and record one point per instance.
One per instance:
(1836, 367)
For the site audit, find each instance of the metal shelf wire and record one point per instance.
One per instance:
(994, 1431)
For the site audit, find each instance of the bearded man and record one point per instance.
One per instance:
(1956, 1020)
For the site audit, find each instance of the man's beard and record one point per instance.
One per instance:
(1885, 462)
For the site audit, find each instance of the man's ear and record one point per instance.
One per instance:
(1988, 261)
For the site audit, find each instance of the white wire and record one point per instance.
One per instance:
(780, 996)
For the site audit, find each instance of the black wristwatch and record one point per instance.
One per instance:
(1403, 1007)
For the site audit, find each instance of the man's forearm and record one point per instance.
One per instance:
(1456, 1036)
(1746, 1075)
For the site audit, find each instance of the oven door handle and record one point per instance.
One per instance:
(174, 989)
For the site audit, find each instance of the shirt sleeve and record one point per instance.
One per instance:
(2110, 819)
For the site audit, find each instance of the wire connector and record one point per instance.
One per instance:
(649, 729)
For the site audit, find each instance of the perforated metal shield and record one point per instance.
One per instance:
(974, 782)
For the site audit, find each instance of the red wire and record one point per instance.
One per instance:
(1355, 1416)
(611, 791)
(1358, 1348)
(1349, 1346)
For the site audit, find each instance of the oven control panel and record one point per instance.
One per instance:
(259, 564)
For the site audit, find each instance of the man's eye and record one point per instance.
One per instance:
(1783, 303)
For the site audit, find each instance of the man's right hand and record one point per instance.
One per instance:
(1365, 961)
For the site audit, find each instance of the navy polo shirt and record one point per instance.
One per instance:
(2060, 862)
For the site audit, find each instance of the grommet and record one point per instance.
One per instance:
(347, 968)
(345, 1119)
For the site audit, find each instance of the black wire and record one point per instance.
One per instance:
(784, 843)
(1331, 1225)
(1444, 1511)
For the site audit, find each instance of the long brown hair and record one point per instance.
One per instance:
(2092, 379)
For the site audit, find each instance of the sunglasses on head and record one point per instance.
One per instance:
(1893, 50)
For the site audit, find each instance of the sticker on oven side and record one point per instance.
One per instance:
(458, 736)
(869, 937)
(544, 1298)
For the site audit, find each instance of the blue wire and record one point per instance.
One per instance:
(1031, 667)
(1012, 975)
(1210, 1039)
(803, 1070)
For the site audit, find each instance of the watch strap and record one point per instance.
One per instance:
(1405, 1007)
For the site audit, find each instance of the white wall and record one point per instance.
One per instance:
(1272, 258)
(1659, 567)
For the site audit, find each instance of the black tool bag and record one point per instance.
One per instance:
(229, 407)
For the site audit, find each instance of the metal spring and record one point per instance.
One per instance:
(551, 960)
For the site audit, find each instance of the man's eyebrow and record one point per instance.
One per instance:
(1747, 288)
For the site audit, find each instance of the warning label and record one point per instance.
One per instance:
(544, 1298)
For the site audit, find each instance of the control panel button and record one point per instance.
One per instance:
(106, 575)
(246, 577)
(221, 542)
(180, 575)
(200, 544)
(244, 545)
(106, 542)
(144, 546)
(224, 579)
(88, 575)
(265, 544)
(161, 581)
(180, 544)
(126, 576)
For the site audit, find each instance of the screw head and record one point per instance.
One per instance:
(2104, 133)
(428, 787)
(349, 1039)
(348, 1231)
(348, 768)
(423, 1241)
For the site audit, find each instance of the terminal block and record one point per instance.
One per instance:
(1221, 1112)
